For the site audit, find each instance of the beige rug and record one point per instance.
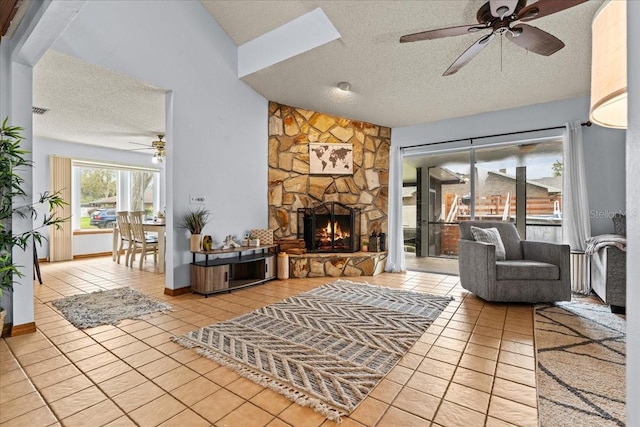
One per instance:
(326, 348)
(107, 307)
(581, 365)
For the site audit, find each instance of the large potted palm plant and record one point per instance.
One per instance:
(14, 201)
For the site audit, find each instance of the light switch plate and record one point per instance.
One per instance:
(197, 199)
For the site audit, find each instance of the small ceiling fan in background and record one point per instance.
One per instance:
(503, 17)
(158, 146)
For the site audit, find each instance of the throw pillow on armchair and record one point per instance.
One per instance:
(620, 224)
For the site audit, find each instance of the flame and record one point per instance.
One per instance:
(337, 232)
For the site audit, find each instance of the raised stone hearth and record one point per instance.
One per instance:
(337, 264)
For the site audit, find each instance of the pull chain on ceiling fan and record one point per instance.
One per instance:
(503, 17)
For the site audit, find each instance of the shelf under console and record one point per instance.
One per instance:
(223, 274)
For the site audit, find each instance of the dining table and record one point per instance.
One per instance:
(151, 227)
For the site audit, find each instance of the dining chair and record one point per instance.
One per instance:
(124, 228)
(141, 243)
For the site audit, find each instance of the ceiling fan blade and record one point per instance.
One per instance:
(140, 149)
(535, 40)
(469, 54)
(443, 32)
(139, 143)
(546, 7)
(502, 8)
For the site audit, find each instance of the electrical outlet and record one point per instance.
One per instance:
(198, 199)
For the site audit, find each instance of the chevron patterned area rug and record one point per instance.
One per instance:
(581, 365)
(326, 348)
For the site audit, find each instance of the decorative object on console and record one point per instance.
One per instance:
(230, 243)
(254, 241)
(194, 221)
(265, 235)
(365, 246)
(330, 158)
(207, 243)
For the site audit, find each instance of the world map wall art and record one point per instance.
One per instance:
(330, 159)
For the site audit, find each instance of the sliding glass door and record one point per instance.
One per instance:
(520, 183)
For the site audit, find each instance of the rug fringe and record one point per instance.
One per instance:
(295, 396)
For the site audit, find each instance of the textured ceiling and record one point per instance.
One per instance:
(89, 104)
(398, 85)
(393, 84)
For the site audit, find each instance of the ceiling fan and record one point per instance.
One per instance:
(159, 146)
(503, 17)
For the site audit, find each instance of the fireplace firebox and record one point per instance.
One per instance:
(330, 227)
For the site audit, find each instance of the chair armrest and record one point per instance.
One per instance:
(551, 253)
(477, 265)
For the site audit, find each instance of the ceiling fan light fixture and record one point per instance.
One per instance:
(158, 157)
(609, 66)
(160, 154)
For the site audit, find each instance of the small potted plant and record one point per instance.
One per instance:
(194, 221)
(253, 240)
(365, 246)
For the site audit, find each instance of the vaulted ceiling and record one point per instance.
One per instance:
(393, 84)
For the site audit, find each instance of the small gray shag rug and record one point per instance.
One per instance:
(107, 307)
(581, 365)
(326, 348)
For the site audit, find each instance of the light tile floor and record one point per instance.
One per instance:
(475, 366)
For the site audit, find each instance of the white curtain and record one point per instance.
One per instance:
(61, 239)
(576, 225)
(395, 260)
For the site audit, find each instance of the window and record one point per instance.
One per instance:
(100, 190)
(438, 193)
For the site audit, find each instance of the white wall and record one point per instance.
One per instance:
(43, 148)
(216, 125)
(633, 219)
(603, 148)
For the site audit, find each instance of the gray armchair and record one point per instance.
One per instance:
(532, 271)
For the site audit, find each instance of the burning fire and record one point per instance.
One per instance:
(337, 232)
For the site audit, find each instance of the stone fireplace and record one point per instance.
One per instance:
(330, 227)
(292, 186)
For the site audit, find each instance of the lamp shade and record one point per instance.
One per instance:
(609, 65)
